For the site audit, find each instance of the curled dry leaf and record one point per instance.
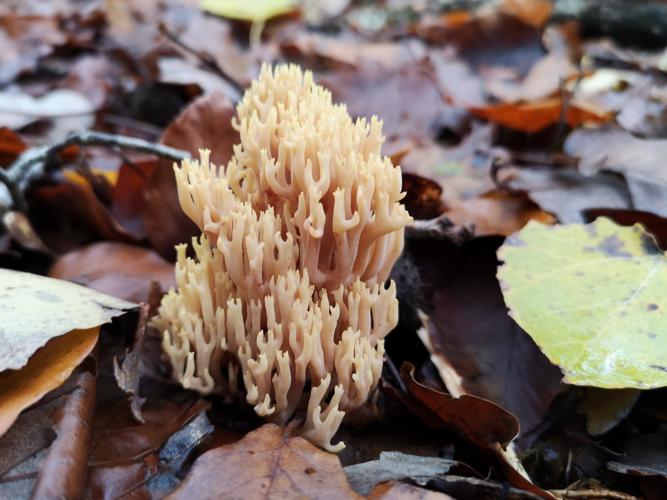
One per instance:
(478, 420)
(64, 472)
(497, 213)
(639, 160)
(535, 116)
(567, 194)
(118, 269)
(477, 347)
(126, 455)
(266, 463)
(36, 309)
(396, 466)
(48, 368)
(206, 122)
(69, 214)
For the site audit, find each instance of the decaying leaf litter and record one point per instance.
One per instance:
(527, 360)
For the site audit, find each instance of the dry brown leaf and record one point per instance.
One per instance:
(205, 123)
(532, 12)
(266, 463)
(64, 472)
(497, 213)
(535, 116)
(396, 490)
(49, 367)
(118, 269)
(479, 420)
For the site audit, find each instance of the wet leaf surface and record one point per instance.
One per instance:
(613, 341)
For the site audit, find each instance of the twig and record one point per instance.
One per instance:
(440, 228)
(32, 164)
(207, 60)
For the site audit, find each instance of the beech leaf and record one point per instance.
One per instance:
(593, 299)
(266, 463)
(35, 309)
(47, 369)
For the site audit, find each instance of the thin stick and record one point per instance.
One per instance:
(32, 164)
(207, 60)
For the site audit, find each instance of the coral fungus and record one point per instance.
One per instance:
(287, 292)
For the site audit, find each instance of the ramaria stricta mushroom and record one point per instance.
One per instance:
(287, 292)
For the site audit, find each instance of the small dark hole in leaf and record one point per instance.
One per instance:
(309, 471)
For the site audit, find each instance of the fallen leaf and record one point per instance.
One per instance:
(128, 373)
(644, 455)
(36, 309)
(18, 109)
(496, 213)
(48, 368)
(423, 196)
(534, 116)
(477, 347)
(205, 123)
(125, 271)
(639, 160)
(266, 463)
(610, 341)
(396, 466)
(70, 214)
(654, 224)
(532, 12)
(605, 408)
(462, 170)
(25, 39)
(479, 420)
(125, 456)
(367, 90)
(394, 490)
(567, 194)
(11, 146)
(64, 472)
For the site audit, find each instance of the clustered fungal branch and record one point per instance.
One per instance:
(287, 292)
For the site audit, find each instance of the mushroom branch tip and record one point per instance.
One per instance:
(287, 293)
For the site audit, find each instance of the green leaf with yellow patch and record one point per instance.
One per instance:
(593, 298)
(253, 10)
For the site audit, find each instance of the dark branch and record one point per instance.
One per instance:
(31, 165)
(206, 59)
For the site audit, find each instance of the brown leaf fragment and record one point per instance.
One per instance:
(64, 472)
(118, 269)
(479, 420)
(49, 367)
(476, 345)
(535, 116)
(127, 372)
(266, 463)
(644, 455)
(396, 490)
(363, 477)
(205, 123)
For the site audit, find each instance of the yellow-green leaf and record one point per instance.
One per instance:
(34, 309)
(249, 10)
(594, 299)
(47, 369)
